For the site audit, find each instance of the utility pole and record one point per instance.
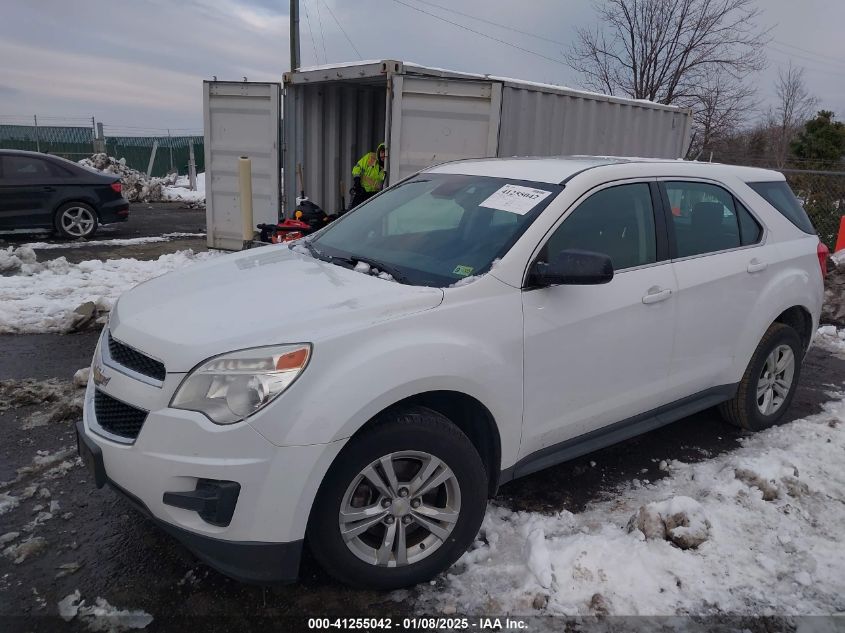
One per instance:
(170, 145)
(37, 141)
(294, 35)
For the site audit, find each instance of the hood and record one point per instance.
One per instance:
(264, 296)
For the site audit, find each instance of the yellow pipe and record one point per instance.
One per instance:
(245, 189)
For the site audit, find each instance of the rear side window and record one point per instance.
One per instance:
(24, 168)
(703, 217)
(780, 196)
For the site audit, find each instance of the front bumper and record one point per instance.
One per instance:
(246, 561)
(177, 451)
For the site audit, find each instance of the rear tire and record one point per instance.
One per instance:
(768, 385)
(75, 220)
(412, 534)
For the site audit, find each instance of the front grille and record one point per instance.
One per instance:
(116, 417)
(135, 360)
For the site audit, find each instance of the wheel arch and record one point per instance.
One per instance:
(800, 319)
(89, 202)
(467, 413)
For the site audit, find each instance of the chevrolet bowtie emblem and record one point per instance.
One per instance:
(100, 379)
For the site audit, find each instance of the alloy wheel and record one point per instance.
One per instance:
(78, 221)
(400, 509)
(775, 380)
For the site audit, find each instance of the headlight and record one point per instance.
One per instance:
(231, 387)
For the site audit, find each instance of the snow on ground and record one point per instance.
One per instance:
(129, 241)
(755, 531)
(181, 192)
(101, 616)
(43, 297)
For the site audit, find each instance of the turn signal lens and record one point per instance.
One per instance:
(292, 360)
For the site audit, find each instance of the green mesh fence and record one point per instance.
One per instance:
(70, 142)
(136, 150)
(75, 143)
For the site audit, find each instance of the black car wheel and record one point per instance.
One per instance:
(403, 501)
(769, 382)
(75, 220)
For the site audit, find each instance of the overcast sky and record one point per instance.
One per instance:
(138, 65)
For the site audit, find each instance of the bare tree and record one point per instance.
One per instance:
(719, 108)
(795, 105)
(669, 50)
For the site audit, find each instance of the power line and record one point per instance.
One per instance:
(830, 71)
(502, 26)
(489, 37)
(342, 30)
(313, 41)
(322, 33)
(798, 48)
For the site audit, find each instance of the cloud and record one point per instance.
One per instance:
(145, 59)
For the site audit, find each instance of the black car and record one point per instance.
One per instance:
(40, 191)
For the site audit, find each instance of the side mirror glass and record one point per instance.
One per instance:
(572, 267)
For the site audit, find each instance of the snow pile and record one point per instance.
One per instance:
(831, 339)
(102, 616)
(680, 520)
(180, 192)
(59, 400)
(32, 546)
(13, 259)
(137, 186)
(755, 531)
(44, 300)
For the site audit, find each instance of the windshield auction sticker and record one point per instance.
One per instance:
(516, 199)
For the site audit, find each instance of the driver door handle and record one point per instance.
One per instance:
(656, 294)
(756, 266)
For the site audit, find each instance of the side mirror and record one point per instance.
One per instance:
(572, 267)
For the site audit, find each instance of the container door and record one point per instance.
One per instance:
(240, 119)
(438, 120)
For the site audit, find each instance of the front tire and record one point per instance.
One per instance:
(402, 502)
(76, 220)
(769, 382)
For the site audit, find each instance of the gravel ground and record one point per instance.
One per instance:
(125, 559)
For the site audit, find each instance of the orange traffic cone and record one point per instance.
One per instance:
(840, 239)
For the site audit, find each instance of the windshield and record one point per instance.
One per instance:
(436, 229)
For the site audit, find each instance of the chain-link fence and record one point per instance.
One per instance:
(172, 152)
(77, 142)
(823, 195)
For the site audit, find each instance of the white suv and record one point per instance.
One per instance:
(369, 388)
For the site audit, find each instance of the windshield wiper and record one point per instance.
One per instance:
(312, 249)
(374, 263)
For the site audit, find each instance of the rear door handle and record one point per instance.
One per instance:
(656, 295)
(756, 266)
(48, 188)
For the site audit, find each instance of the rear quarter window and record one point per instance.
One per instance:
(780, 196)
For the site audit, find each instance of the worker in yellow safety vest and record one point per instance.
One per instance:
(368, 175)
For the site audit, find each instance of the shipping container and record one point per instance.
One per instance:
(240, 119)
(335, 114)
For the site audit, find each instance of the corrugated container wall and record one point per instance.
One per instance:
(340, 122)
(335, 114)
(538, 123)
